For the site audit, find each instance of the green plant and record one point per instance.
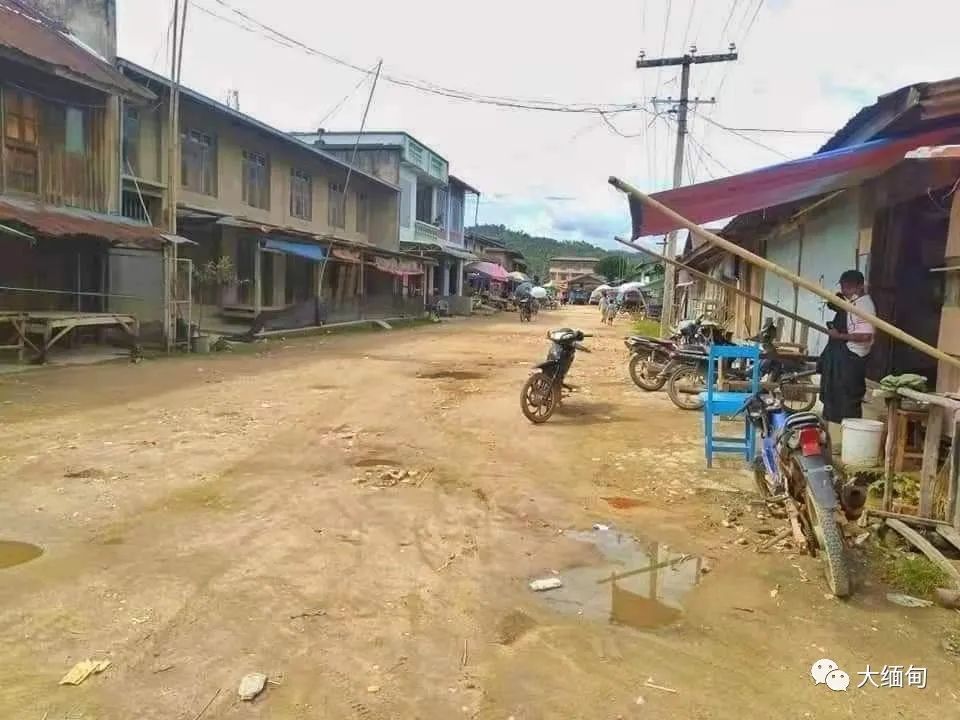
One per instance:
(913, 574)
(650, 328)
(211, 277)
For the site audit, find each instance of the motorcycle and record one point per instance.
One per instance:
(525, 308)
(543, 390)
(650, 357)
(793, 471)
(688, 379)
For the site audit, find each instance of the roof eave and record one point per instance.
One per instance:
(253, 122)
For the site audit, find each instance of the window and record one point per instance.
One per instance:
(336, 213)
(301, 194)
(436, 167)
(441, 214)
(456, 213)
(75, 139)
(198, 162)
(363, 213)
(425, 203)
(20, 131)
(131, 141)
(256, 180)
(407, 191)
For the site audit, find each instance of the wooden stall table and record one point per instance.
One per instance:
(16, 320)
(53, 325)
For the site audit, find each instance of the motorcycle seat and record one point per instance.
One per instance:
(802, 418)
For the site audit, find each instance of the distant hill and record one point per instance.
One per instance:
(539, 250)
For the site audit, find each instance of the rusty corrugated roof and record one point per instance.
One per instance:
(51, 221)
(34, 39)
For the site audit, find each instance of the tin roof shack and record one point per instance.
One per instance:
(307, 247)
(59, 175)
(856, 203)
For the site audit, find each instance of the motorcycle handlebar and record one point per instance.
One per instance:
(790, 377)
(581, 347)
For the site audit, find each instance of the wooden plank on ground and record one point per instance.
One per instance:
(949, 534)
(924, 546)
(909, 519)
(931, 459)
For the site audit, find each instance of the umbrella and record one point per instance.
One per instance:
(523, 288)
(491, 270)
(518, 276)
(538, 292)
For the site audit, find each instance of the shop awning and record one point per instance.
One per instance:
(779, 184)
(304, 250)
(491, 270)
(395, 266)
(64, 222)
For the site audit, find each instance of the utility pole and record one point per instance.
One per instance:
(685, 62)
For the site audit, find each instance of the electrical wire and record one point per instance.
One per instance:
(739, 134)
(686, 33)
(697, 144)
(333, 111)
(540, 104)
(785, 131)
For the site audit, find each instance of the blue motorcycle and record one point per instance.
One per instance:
(794, 474)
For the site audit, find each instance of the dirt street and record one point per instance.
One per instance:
(359, 516)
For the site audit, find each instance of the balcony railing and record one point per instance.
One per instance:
(425, 232)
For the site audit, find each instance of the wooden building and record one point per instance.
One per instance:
(60, 176)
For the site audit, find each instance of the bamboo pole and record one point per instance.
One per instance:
(891, 330)
(727, 286)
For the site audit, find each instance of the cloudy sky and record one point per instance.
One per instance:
(804, 65)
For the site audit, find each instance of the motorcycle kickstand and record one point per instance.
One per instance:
(794, 515)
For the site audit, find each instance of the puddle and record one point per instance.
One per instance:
(376, 462)
(622, 503)
(638, 584)
(16, 553)
(451, 375)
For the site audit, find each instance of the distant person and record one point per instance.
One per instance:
(843, 363)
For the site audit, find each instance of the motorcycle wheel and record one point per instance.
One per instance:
(539, 398)
(829, 538)
(686, 376)
(639, 367)
(802, 401)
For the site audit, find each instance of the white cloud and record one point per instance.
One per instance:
(805, 64)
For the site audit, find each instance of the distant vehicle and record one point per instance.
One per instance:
(525, 307)
(543, 391)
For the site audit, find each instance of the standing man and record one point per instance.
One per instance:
(843, 363)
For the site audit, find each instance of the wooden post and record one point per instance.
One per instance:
(807, 285)
(953, 486)
(889, 470)
(257, 267)
(931, 457)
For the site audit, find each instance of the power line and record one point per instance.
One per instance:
(704, 151)
(428, 87)
(784, 131)
(739, 134)
(333, 111)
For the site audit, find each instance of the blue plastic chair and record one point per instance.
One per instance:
(717, 403)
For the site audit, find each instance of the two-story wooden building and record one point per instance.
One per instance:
(311, 239)
(63, 240)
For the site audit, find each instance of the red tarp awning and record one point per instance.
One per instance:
(491, 270)
(779, 184)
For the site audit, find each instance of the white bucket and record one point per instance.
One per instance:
(860, 442)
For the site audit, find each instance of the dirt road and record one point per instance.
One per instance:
(358, 517)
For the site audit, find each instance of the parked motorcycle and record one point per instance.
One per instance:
(543, 390)
(688, 378)
(650, 357)
(793, 471)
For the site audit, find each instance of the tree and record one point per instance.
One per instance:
(613, 267)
